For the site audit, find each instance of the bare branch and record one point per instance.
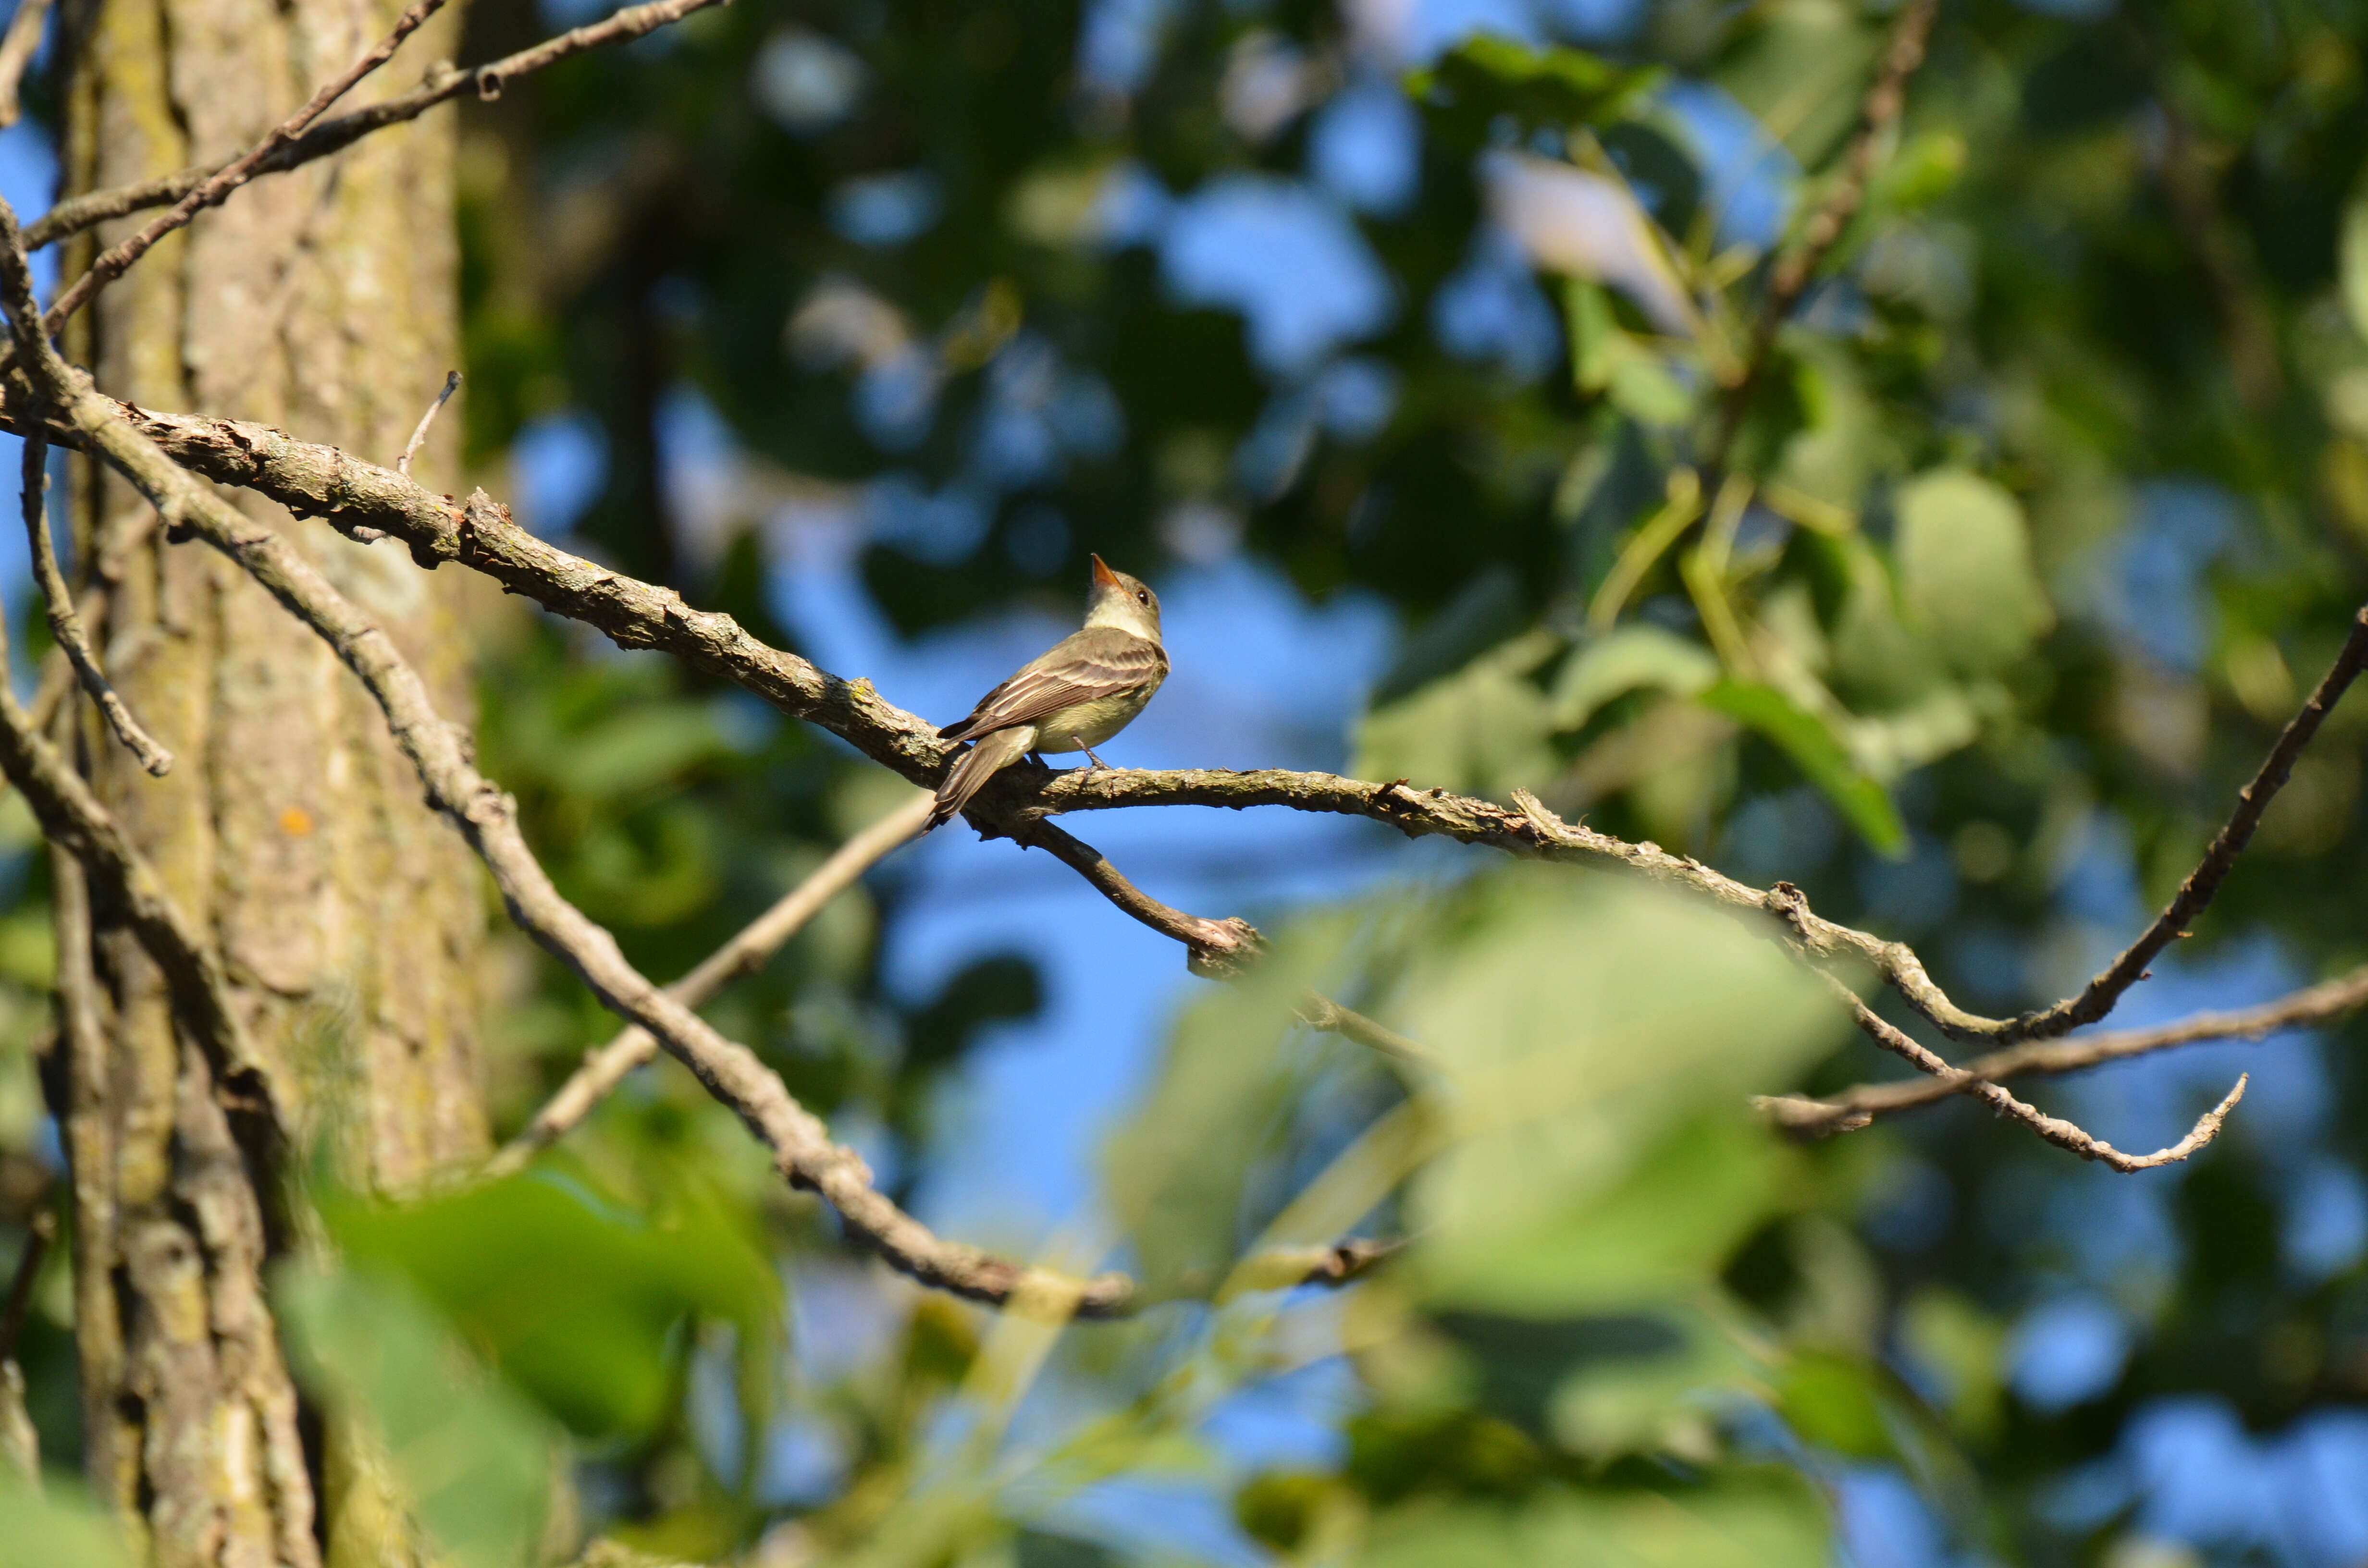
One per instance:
(1318, 1011)
(24, 35)
(605, 1068)
(419, 436)
(2196, 892)
(65, 625)
(1853, 1108)
(1213, 948)
(442, 83)
(366, 501)
(216, 188)
(2054, 1130)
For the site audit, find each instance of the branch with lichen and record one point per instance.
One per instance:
(369, 504)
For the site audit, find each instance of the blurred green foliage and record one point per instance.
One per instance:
(2050, 502)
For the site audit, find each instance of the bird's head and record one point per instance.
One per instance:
(1123, 601)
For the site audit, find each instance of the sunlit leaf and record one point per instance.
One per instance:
(1820, 756)
(1748, 1522)
(1484, 730)
(1797, 67)
(1966, 569)
(1662, 1231)
(1489, 76)
(2354, 258)
(1582, 1021)
(575, 1297)
(1178, 1172)
(1668, 1397)
(475, 1458)
(1638, 655)
(55, 1529)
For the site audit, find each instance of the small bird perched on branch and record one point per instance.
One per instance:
(1075, 697)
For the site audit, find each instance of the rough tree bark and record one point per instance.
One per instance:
(346, 914)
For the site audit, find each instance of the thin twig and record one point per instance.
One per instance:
(65, 625)
(2097, 998)
(1795, 269)
(2054, 1130)
(419, 436)
(442, 83)
(1318, 1011)
(605, 1068)
(17, 49)
(216, 187)
(1849, 1110)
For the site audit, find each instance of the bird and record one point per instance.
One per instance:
(1074, 697)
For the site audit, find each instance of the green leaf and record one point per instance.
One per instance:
(1819, 753)
(575, 1298)
(1487, 78)
(55, 1529)
(1581, 1023)
(2352, 263)
(1742, 1520)
(1178, 1172)
(641, 748)
(1962, 1347)
(475, 1460)
(1966, 571)
(1799, 67)
(1484, 730)
(1665, 1399)
(1836, 1402)
(1609, 359)
(1662, 1233)
(1640, 656)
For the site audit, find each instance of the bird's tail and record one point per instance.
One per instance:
(995, 751)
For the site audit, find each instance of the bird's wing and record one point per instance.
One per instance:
(1100, 661)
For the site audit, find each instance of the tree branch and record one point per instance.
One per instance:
(217, 187)
(2054, 1130)
(442, 83)
(65, 625)
(1854, 1107)
(419, 433)
(24, 37)
(367, 503)
(605, 1068)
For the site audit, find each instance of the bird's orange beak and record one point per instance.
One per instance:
(1103, 577)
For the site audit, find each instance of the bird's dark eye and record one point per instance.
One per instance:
(1143, 596)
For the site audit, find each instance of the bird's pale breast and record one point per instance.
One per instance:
(1091, 722)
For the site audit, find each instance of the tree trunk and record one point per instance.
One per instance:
(324, 302)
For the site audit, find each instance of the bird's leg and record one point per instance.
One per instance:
(1098, 762)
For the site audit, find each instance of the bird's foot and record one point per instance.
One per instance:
(1098, 762)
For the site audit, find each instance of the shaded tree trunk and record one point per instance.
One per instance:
(321, 301)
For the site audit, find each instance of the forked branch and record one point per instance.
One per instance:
(368, 502)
